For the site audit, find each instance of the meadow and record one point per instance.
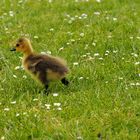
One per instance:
(100, 39)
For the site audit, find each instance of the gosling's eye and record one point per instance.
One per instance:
(17, 45)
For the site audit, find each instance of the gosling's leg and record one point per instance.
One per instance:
(44, 81)
(65, 81)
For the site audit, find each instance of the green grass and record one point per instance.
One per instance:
(105, 103)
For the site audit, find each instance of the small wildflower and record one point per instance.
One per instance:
(115, 19)
(56, 104)
(106, 54)
(109, 36)
(94, 44)
(107, 18)
(82, 34)
(2, 138)
(98, 1)
(13, 102)
(70, 21)
(100, 58)
(138, 37)
(120, 78)
(131, 37)
(137, 63)
(132, 84)
(0, 103)
(68, 43)
(72, 40)
(24, 113)
(6, 109)
(115, 51)
(75, 63)
(59, 108)
(43, 52)
(36, 37)
(137, 84)
(11, 13)
(35, 99)
(79, 138)
(50, 1)
(96, 13)
(49, 52)
(134, 54)
(24, 76)
(51, 30)
(55, 94)
(62, 48)
(17, 67)
(14, 76)
(96, 54)
(17, 114)
(80, 78)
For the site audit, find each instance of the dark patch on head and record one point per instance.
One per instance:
(17, 45)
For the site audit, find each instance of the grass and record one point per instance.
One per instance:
(103, 99)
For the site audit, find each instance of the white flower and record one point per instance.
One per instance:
(55, 94)
(2, 138)
(49, 52)
(131, 37)
(62, 48)
(94, 44)
(134, 54)
(120, 78)
(59, 108)
(137, 63)
(109, 36)
(24, 76)
(115, 51)
(96, 13)
(17, 67)
(68, 43)
(98, 1)
(137, 84)
(0, 103)
(36, 37)
(14, 76)
(75, 63)
(79, 138)
(24, 113)
(17, 114)
(96, 54)
(72, 40)
(56, 104)
(13, 102)
(47, 105)
(100, 58)
(138, 37)
(6, 109)
(132, 84)
(115, 19)
(11, 13)
(50, 1)
(82, 34)
(80, 78)
(35, 99)
(106, 54)
(107, 51)
(51, 30)
(43, 52)
(88, 53)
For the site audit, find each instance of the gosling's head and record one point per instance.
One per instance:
(23, 45)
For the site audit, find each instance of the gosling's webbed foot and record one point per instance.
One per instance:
(65, 81)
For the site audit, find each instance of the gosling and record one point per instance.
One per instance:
(42, 67)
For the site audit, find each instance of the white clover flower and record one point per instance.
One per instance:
(24, 76)
(132, 84)
(138, 37)
(14, 76)
(109, 36)
(72, 40)
(55, 94)
(88, 53)
(13, 102)
(115, 51)
(93, 43)
(6, 109)
(137, 63)
(0, 103)
(82, 34)
(17, 67)
(2, 138)
(57, 104)
(50, 1)
(96, 13)
(51, 30)
(80, 78)
(137, 84)
(79, 138)
(115, 19)
(131, 37)
(24, 113)
(36, 37)
(134, 54)
(100, 58)
(98, 1)
(11, 13)
(84, 55)
(49, 52)
(70, 21)
(47, 105)
(59, 108)
(106, 54)
(68, 43)
(62, 48)
(107, 51)
(17, 114)
(80, 17)
(72, 18)
(35, 99)
(75, 63)
(43, 52)
(120, 78)
(96, 54)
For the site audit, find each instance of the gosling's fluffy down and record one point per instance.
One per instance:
(44, 68)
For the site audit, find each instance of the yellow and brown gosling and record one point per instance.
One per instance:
(43, 67)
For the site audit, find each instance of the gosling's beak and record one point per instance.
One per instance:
(13, 49)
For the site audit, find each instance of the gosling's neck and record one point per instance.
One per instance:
(29, 51)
